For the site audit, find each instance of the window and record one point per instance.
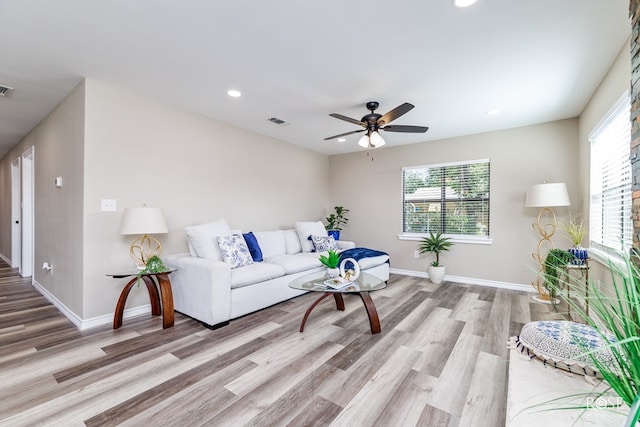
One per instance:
(610, 186)
(451, 198)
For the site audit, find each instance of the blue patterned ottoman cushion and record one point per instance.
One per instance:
(563, 345)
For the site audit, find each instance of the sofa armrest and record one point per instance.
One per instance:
(345, 244)
(201, 288)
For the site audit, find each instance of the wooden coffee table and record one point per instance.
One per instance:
(364, 284)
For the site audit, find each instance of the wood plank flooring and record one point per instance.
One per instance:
(440, 360)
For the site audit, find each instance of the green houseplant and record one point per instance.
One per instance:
(615, 311)
(331, 261)
(554, 264)
(336, 221)
(435, 243)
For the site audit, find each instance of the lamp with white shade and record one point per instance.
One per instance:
(545, 196)
(144, 221)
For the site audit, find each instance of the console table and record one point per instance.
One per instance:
(160, 295)
(583, 271)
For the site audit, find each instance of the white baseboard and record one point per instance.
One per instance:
(88, 323)
(468, 280)
(5, 259)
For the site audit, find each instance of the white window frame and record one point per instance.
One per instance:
(601, 157)
(457, 238)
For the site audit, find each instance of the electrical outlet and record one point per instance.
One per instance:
(416, 254)
(108, 205)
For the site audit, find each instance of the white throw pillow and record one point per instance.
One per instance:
(234, 250)
(272, 243)
(292, 241)
(307, 229)
(202, 238)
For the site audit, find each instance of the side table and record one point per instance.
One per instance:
(160, 295)
(583, 270)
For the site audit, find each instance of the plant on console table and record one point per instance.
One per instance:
(435, 244)
(576, 231)
(331, 261)
(336, 221)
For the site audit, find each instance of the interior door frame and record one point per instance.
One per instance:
(16, 217)
(27, 223)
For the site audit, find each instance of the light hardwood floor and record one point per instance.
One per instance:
(440, 360)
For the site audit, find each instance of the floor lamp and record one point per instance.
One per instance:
(545, 196)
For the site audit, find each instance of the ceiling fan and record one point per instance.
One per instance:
(374, 122)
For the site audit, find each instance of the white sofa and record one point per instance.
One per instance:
(210, 290)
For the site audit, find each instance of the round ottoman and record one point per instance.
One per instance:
(563, 345)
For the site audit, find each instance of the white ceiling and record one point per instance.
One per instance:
(535, 60)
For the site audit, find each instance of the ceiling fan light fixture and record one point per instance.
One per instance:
(461, 4)
(364, 141)
(376, 139)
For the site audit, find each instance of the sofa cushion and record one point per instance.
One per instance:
(373, 261)
(322, 244)
(292, 241)
(234, 250)
(254, 273)
(295, 263)
(202, 238)
(254, 247)
(271, 243)
(306, 229)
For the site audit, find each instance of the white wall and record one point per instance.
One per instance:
(196, 169)
(519, 158)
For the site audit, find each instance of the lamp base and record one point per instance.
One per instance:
(144, 248)
(544, 299)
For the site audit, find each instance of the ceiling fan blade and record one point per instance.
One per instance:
(395, 113)
(348, 119)
(406, 129)
(344, 134)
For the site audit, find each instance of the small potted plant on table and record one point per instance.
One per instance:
(331, 261)
(576, 232)
(435, 243)
(336, 221)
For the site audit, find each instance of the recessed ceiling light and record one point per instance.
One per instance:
(234, 93)
(460, 4)
(493, 112)
(341, 139)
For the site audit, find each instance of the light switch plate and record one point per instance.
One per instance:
(108, 205)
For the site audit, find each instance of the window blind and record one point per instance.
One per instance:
(610, 186)
(450, 198)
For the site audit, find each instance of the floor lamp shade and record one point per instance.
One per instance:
(144, 221)
(548, 195)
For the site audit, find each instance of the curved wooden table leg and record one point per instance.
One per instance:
(167, 299)
(306, 315)
(374, 320)
(154, 298)
(117, 316)
(339, 301)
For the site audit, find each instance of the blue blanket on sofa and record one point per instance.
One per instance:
(359, 253)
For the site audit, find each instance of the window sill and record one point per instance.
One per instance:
(455, 239)
(606, 258)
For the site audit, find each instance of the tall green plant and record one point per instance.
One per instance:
(435, 243)
(619, 315)
(337, 220)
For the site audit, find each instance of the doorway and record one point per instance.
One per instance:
(27, 222)
(16, 229)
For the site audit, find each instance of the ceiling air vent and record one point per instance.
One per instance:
(5, 90)
(277, 121)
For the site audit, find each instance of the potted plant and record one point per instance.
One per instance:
(336, 221)
(554, 264)
(331, 261)
(576, 232)
(435, 243)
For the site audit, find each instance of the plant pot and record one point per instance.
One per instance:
(580, 255)
(334, 233)
(436, 274)
(333, 272)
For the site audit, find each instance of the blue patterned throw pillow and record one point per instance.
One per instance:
(323, 243)
(234, 250)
